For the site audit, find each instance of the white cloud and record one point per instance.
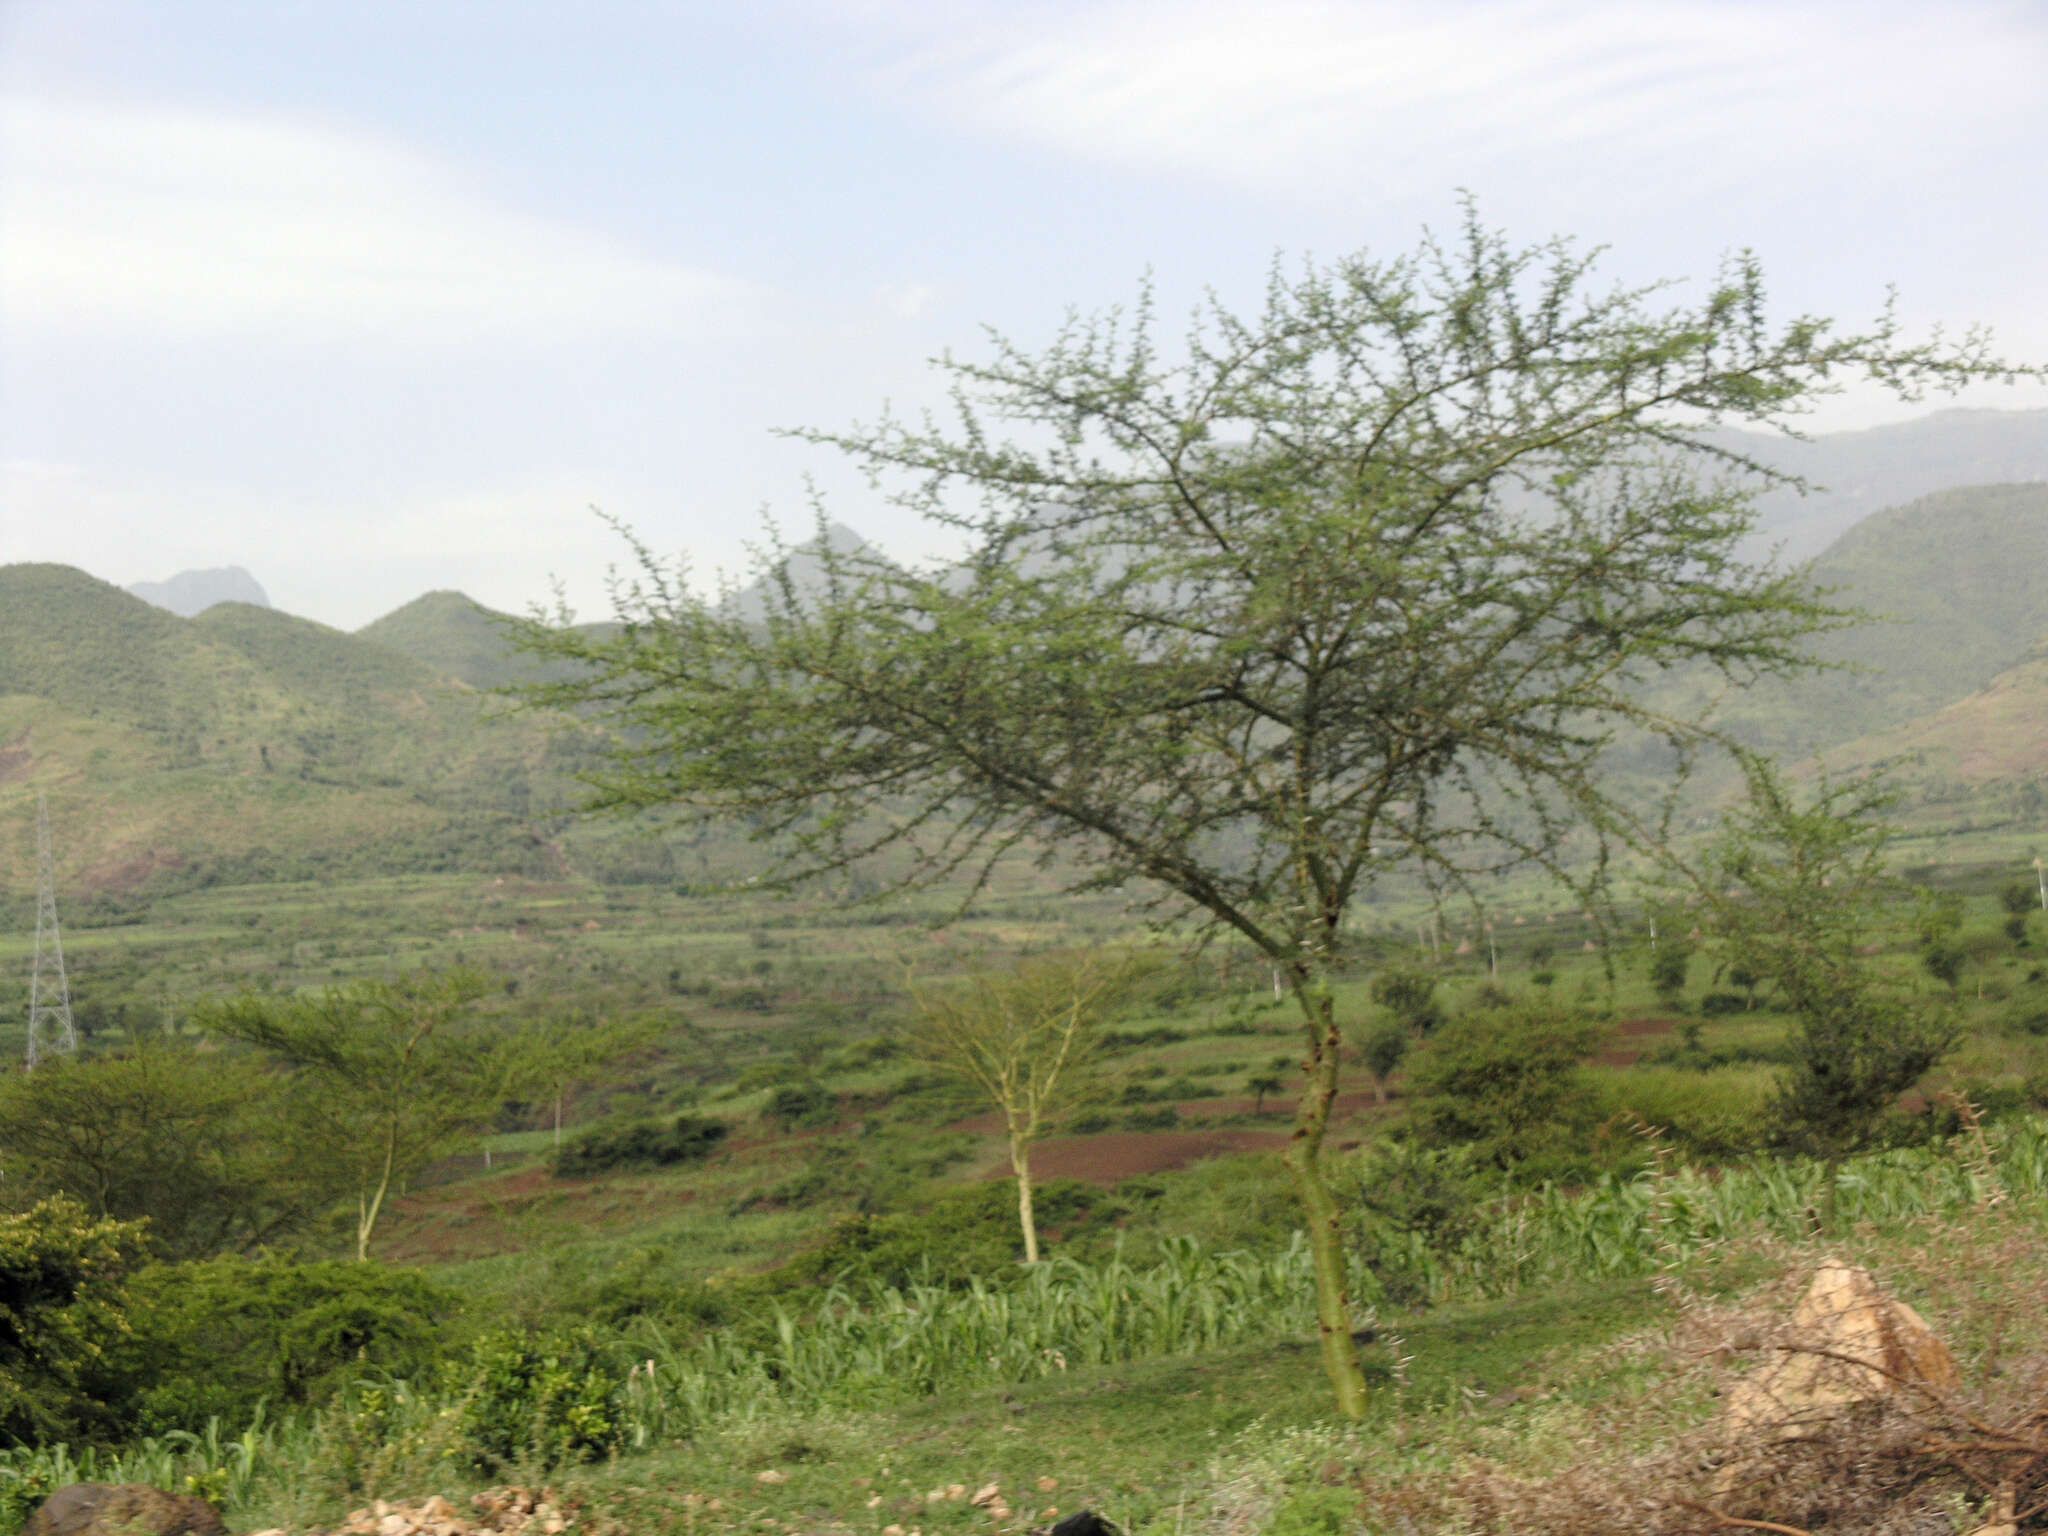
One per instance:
(164, 222)
(1353, 101)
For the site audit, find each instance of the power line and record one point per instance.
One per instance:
(54, 1014)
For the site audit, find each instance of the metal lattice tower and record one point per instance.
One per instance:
(49, 992)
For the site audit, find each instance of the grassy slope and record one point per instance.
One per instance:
(452, 635)
(242, 736)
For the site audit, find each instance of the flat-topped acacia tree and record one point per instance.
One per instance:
(1363, 582)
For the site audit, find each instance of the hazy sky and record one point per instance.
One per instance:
(377, 296)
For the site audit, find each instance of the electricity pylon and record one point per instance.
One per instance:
(49, 992)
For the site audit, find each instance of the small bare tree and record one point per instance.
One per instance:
(1024, 1040)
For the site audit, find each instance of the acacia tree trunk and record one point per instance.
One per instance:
(1020, 1162)
(368, 1207)
(1303, 1160)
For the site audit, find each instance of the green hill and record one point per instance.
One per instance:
(1855, 474)
(1954, 589)
(247, 743)
(1982, 759)
(452, 635)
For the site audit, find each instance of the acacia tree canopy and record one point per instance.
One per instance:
(1364, 581)
(390, 1074)
(1024, 1041)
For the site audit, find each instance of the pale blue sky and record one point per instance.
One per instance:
(378, 297)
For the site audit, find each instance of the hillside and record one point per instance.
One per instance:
(1984, 757)
(452, 635)
(1857, 473)
(1951, 588)
(244, 743)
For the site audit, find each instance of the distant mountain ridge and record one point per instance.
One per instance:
(190, 593)
(1858, 473)
(245, 743)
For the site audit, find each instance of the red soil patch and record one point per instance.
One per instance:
(481, 1218)
(1642, 1032)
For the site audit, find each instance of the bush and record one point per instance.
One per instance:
(1718, 1005)
(1503, 1080)
(63, 1307)
(639, 1144)
(954, 1239)
(2026, 1013)
(1413, 1203)
(538, 1400)
(1116, 1042)
(1410, 996)
(216, 1338)
(1165, 1118)
(795, 1106)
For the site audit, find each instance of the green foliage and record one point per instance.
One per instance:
(1712, 1113)
(1260, 1084)
(1806, 881)
(2018, 898)
(210, 1148)
(391, 1073)
(1316, 1512)
(63, 1307)
(1942, 952)
(1503, 1080)
(220, 1338)
(639, 1144)
(1409, 994)
(539, 1401)
(1383, 1049)
(1411, 1202)
(801, 1105)
(1669, 962)
(955, 1238)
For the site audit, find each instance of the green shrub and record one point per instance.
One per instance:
(1410, 996)
(1412, 1204)
(639, 1144)
(952, 1239)
(538, 1401)
(1504, 1080)
(2026, 1013)
(1165, 1118)
(796, 1106)
(63, 1307)
(1115, 1042)
(215, 1339)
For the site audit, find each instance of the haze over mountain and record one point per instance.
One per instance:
(190, 593)
(1957, 587)
(1856, 473)
(249, 744)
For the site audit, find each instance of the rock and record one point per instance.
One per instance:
(1842, 1320)
(123, 1509)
